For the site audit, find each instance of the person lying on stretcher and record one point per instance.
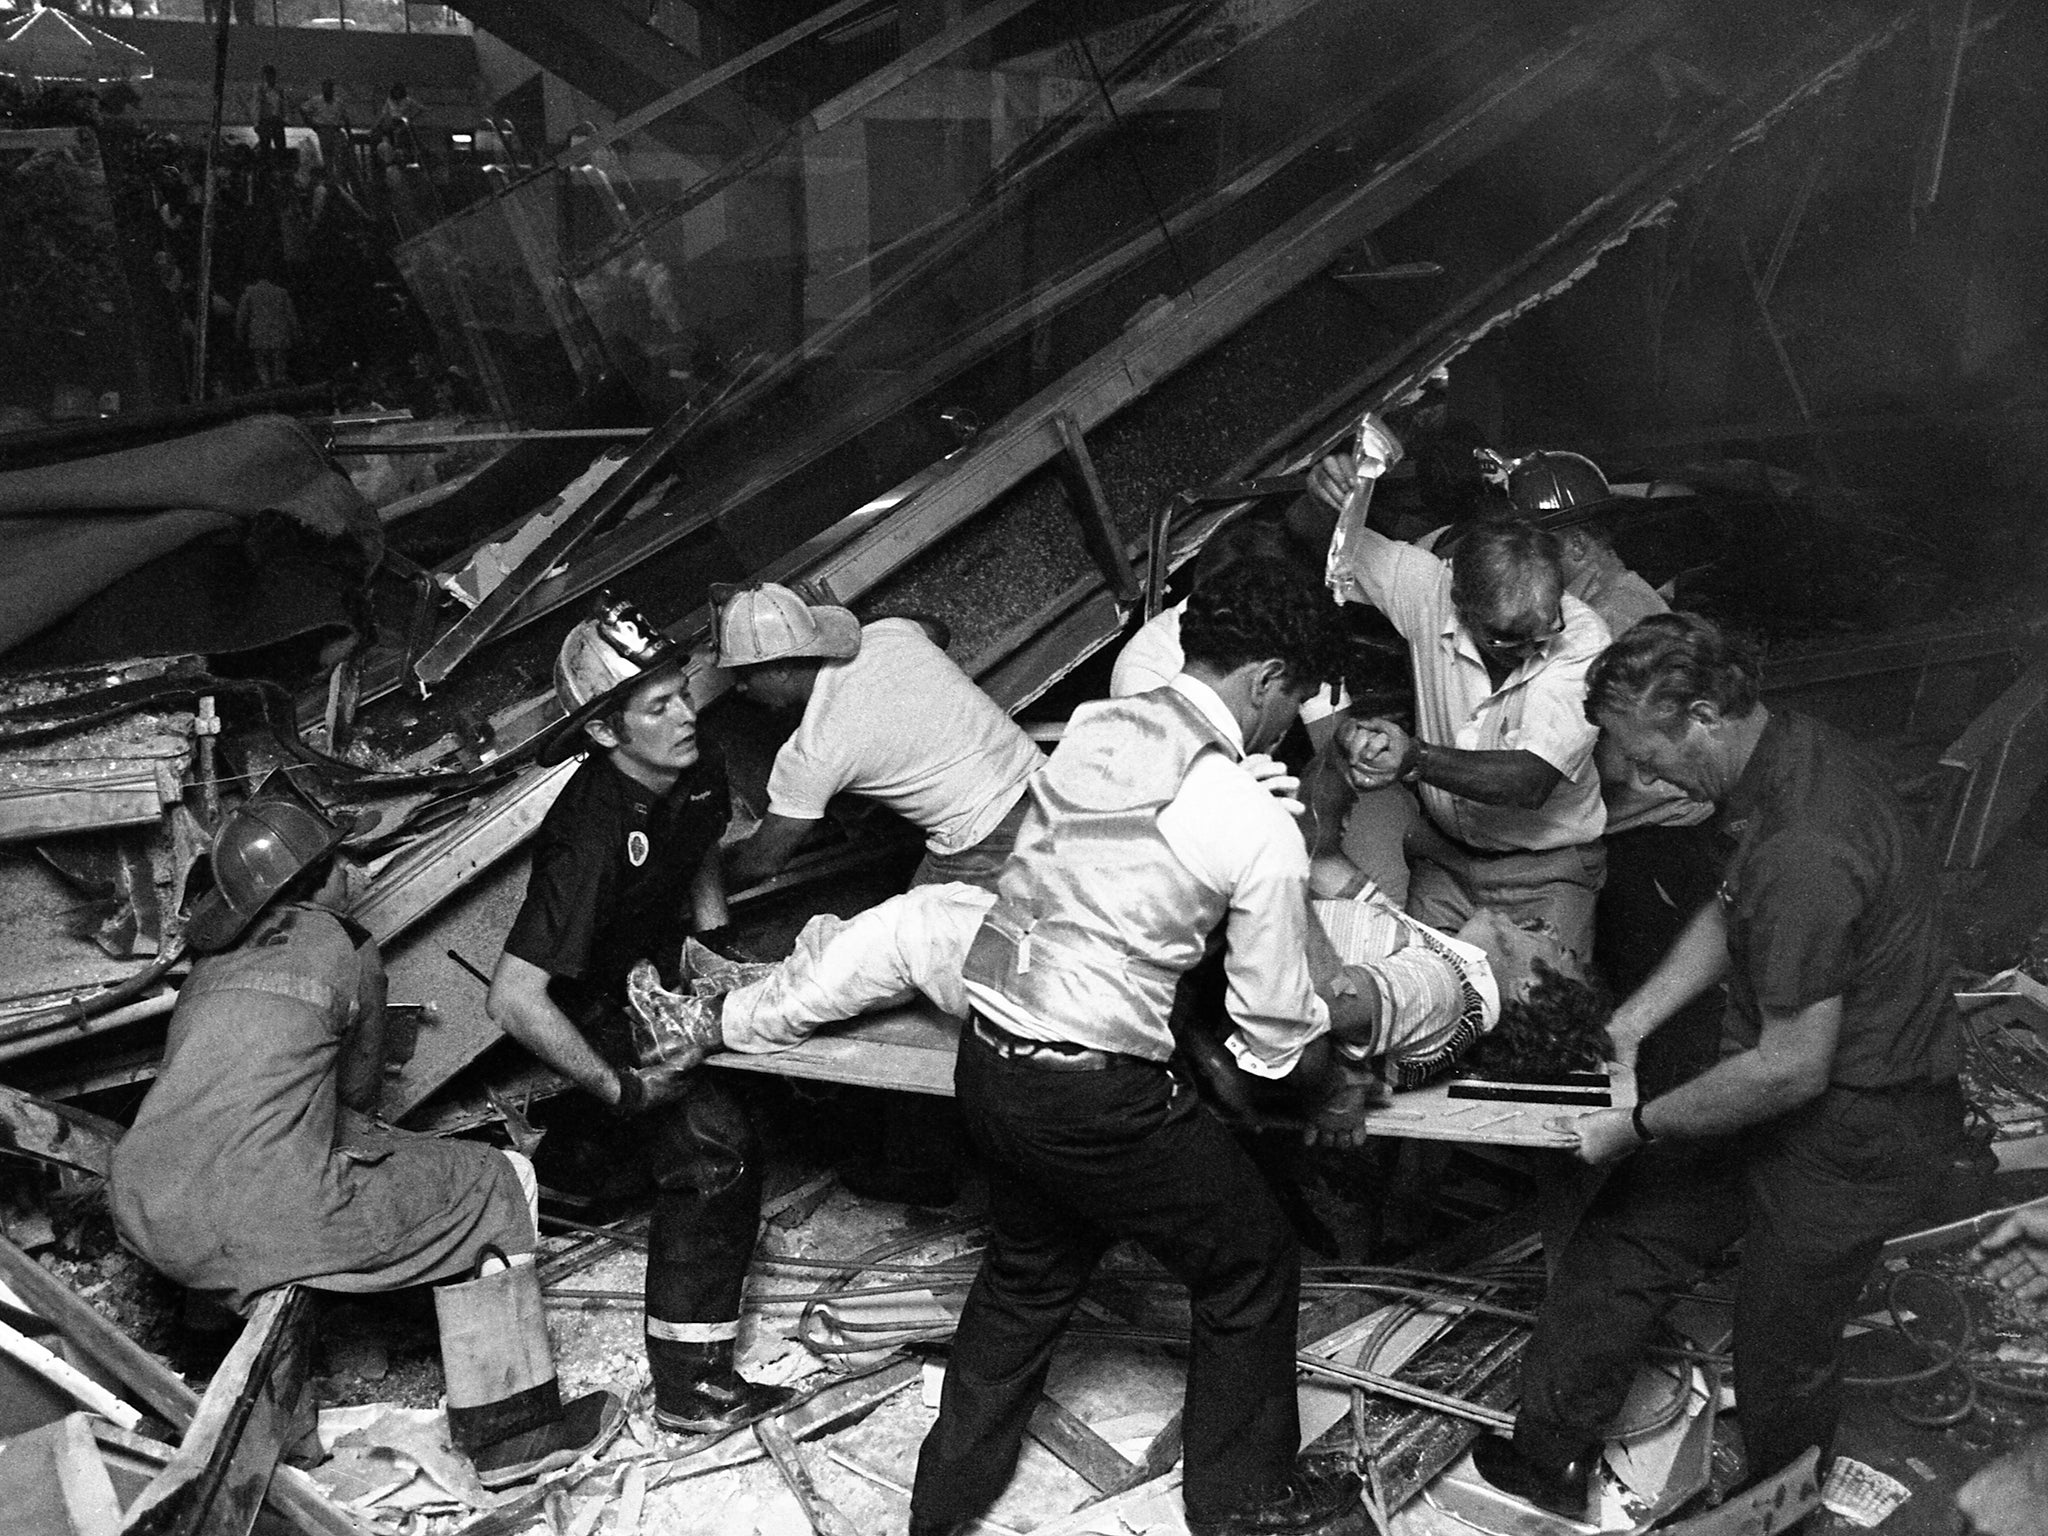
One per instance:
(1406, 999)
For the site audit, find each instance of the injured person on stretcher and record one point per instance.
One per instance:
(1404, 998)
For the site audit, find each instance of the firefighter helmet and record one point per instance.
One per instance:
(1555, 488)
(262, 846)
(602, 660)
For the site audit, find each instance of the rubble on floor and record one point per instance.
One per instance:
(853, 1302)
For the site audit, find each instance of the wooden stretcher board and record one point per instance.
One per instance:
(911, 1049)
(1431, 1114)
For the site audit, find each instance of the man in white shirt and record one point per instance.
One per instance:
(1152, 657)
(1146, 836)
(1503, 756)
(886, 714)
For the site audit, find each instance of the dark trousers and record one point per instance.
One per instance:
(1812, 1196)
(706, 1162)
(1658, 878)
(1078, 1161)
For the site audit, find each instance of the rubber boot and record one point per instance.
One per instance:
(697, 1391)
(505, 1408)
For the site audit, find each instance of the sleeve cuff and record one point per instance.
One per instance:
(1248, 1056)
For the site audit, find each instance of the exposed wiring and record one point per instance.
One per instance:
(1925, 1396)
(1988, 1059)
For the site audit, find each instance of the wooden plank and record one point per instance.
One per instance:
(147, 1379)
(1099, 1464)
(910, 1049)
(823, 1516)
(293, 1495)
(1478, 1361)
(66, 1377)
(214, 1483)
(1091, 505)
(1162, 1453)
(55, 1133)
(1430, 1113)
(120, 798)
(840, 1403)
(53, 1483)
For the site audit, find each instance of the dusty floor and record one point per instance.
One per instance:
(382, 1350)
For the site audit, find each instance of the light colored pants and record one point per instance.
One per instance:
(841, 967)
(1558, 887)
(983, 862)
(529, 1184)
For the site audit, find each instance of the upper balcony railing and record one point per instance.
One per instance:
(327, 15)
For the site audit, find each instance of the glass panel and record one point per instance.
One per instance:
(485, 280)
(975, 211)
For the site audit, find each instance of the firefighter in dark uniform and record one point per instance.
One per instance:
(1831, 1119)
(623, 864)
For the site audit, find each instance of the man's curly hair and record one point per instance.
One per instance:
(1558, 1029)
(1261, 609)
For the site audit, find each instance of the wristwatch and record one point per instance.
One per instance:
(1635, 1120)
(1413, 762)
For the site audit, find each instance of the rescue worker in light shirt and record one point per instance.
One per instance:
(1502, 755)
(625, 867)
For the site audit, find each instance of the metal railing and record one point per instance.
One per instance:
(339, 15)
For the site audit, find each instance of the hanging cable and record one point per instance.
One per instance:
(1187, 282)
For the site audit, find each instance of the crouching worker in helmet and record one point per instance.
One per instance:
(625, 867)
(254, 1163)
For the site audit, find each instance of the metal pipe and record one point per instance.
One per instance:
(206, 217)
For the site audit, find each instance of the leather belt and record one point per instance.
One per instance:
(1047, 1055)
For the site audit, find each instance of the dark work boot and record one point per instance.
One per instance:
(1562, 1491)
(587, 1424)
(697, 1391)
(1310, 1501)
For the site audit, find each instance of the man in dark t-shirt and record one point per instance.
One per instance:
(1828, 1122)
(623, 861)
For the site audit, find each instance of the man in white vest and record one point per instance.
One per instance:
(1146, 837)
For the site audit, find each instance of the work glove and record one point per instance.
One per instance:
(670, 1029)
